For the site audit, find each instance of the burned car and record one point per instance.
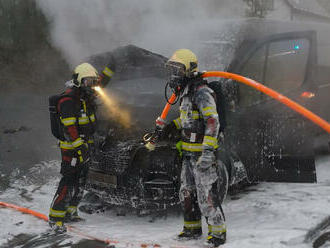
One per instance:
(124, 172)
(263, 140)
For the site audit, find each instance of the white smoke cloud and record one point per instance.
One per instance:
(84, 27)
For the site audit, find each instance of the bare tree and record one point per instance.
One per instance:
(259, 8)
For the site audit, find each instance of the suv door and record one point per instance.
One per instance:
(272, 140)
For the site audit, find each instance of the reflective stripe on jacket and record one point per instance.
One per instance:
(78, 119)
(199, 120)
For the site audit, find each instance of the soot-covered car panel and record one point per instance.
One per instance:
(274, 141)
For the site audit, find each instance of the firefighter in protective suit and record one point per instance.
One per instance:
(76, 108)
(199, 126)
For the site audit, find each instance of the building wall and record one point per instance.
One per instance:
(282, 11)
(299, 16)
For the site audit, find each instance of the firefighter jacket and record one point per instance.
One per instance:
(77, 115)
(198, 121)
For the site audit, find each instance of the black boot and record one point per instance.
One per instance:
(72, 215)
(57, 226)
(187, 234)
(215, 240)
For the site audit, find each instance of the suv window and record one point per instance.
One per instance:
(286, 64)
(280, 65)
(254, 69)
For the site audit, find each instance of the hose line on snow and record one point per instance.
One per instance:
(83, 234)
(45, 218)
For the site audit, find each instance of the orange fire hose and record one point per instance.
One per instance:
(81, 233)
(45, 218)
(272, 93)
(25, 210)
(168, 106)
(258, 86)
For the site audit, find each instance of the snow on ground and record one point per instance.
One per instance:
(266, 215)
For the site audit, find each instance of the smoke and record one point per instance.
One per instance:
(81, 28)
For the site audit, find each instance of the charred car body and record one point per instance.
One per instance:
(264, 140)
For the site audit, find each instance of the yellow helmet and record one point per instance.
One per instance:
(186, 58)
(84, 71)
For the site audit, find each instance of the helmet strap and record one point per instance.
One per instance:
(193, 66)
(75, 79)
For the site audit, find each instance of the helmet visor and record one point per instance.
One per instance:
(175, 70)
(90, 82)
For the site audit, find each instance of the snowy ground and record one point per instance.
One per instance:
(267, 215)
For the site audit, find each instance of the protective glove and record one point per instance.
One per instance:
(160, 123)
(150, 146)
(206, 160)
(106, 75)
(82, 153)
(167, 131)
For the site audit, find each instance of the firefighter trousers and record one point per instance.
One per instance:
(199, 195)
(71, 186)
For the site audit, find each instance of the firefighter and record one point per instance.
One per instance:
(76, 111)
(199, 127)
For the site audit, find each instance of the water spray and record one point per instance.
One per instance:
(112, 105)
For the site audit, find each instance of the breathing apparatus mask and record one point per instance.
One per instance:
(88, 85)
(90, 82)
(178, 77)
